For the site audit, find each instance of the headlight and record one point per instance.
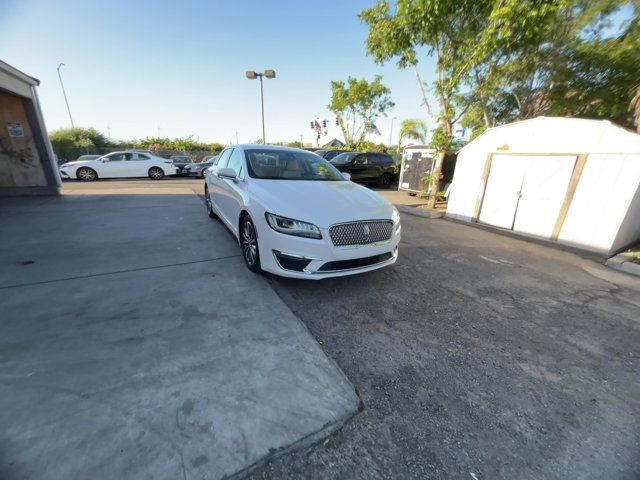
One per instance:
(292, 227)
(395, 216)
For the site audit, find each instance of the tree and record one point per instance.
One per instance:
(357, 104)
(573, 66)
(634, 106)
(413, 129)
(460, 35)
(69, 143)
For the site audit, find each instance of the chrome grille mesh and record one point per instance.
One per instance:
(361, 233)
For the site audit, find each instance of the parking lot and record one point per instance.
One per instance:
(476, 356)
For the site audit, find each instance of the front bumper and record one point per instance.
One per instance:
(286, 255)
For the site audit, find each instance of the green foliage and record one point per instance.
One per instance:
(357, 103)
(186, 145)
(566, 68)
(69, 143)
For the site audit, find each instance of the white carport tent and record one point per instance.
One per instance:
(569, 180)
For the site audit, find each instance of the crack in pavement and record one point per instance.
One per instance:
(55, 280)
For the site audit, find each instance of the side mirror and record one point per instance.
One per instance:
(104, 160)
(347, 176)
(229, 173)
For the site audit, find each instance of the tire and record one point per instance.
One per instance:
(207, 200)
(249, 244)
(86, 174)
(384, 181)
(156, 173)
(202, 173)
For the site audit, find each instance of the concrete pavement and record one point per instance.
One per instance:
(135, 344)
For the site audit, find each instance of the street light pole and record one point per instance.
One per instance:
(251, 75)
(64, 93)
(391, 129)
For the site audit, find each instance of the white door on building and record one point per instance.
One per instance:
(544, 188)
(503, 189)
(525, 192)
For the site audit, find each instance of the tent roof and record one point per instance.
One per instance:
(557, 135)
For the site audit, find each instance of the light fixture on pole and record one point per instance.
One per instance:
(391, 129)
(251, 75)
(64, 93)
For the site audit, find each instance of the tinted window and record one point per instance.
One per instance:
(224, 157)
(344, 157)
(385, 159)
(289, 165)
(235, 161)
(116, 157)
(360, 160)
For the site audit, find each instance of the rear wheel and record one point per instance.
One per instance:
(156, 173)
(384, 181)
(203, 172)
(249, 244)
(86, 174)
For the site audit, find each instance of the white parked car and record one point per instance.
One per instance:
(119, 165)
(296, 215)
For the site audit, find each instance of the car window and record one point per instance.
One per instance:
(137, 156)
(116, 157)
(224, 158)
(360, 160)
(235, 161)
(276, 164)
(345, 157)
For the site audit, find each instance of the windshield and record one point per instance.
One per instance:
(289, 165)
(344, 157)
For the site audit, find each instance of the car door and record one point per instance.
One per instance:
(231, 190)
(112, 165)
(137, 164)
(359, 168)
(215, 183)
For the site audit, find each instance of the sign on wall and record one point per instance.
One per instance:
(15, 129)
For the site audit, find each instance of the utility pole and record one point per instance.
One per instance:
(64, 93)
(237, 142)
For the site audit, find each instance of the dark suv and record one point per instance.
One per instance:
(367, 167)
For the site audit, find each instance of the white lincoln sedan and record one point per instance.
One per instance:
(296, 215)
(119, 165)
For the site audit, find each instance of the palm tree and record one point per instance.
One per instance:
(634, 107)
(413, 129)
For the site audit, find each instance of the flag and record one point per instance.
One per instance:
(373, 129)
(317, 127)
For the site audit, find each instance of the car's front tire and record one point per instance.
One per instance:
(202, 172)
(86, 174)
(249, 244)
(156, 173)
(207, 199)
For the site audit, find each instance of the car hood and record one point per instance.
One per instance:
(321, 203)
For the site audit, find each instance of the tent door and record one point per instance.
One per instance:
(525, 192)
(503, 189)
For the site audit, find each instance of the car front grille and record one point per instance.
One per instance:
(361, 233)
(354, 263)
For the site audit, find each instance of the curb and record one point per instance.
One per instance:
(624, 264)
(420, 212)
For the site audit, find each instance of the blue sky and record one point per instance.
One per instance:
(137, 66)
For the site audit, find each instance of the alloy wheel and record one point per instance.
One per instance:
(249, 244)
(86, 174)
(156, 173)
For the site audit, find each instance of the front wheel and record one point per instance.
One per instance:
(156, 173)
(249, 244)
(207, 199)
(86, 174)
